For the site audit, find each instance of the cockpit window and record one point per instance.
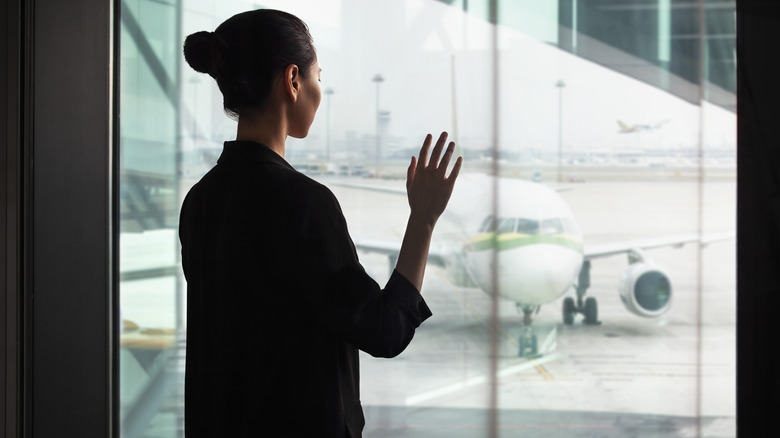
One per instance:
(503, 225)
(488, 225)
(552, 226)
(506, 225)
(527, 226)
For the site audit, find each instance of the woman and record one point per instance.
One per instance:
(278, 303)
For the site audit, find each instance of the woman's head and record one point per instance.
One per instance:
(248, 53)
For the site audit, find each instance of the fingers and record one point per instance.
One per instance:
(455, 171)
(440, 167)
(423, 161)
(445, 161)
(410, 172)
(437, 149)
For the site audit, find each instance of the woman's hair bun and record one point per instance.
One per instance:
(200, 51)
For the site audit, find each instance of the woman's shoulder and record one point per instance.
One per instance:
(315, 191)
(312, 202)
(276, 184)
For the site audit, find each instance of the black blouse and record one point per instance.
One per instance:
(278, 304)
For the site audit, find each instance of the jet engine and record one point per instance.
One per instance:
(645, 290)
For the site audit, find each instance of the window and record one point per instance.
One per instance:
(527, 226)
(621, 149)
(488, 225)
(552, 226)
(506, 225)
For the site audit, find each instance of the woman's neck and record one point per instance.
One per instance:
(267, 128)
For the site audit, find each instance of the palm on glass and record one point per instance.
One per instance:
(427, 184)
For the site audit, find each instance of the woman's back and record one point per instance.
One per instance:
(278, 304)
(252, 338)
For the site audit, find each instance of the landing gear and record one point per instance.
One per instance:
(528, 342)
(569, 310)
(591, 311)
(589, 308)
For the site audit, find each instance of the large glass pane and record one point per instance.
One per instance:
(569, 286)
(643, 344)
(150, 288)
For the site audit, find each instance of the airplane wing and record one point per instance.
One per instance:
(615, 248)
(623, 127)
(378, 246)
(373, 188)
(436, 255)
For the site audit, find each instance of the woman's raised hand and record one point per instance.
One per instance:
(427, 185)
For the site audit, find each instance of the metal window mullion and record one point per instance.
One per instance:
(492, 426)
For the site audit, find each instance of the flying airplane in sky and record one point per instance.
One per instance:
(629, 129)
(536, 249)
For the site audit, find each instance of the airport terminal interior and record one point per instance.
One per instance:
(583, 279)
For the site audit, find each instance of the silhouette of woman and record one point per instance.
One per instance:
(277, 302)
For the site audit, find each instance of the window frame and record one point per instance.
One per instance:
(59, 247)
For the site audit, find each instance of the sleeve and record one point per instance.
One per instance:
(342, 295)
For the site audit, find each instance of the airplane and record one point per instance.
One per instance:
(537, 252)
(626, 129)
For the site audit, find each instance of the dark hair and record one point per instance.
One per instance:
(247, 51)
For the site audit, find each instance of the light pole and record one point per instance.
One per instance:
(378, 79)
(560, 84)
(328, 92)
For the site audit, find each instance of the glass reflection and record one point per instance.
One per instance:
(608, 165)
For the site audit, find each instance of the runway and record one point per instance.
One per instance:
(630, 376)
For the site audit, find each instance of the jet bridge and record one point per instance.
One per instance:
(654, 41)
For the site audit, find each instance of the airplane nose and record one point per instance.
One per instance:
(537, 274)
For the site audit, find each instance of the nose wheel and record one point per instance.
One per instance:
(528, 342)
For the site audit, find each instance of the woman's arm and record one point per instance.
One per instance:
(429, 190)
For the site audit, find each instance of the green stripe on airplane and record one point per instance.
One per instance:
(503, 242)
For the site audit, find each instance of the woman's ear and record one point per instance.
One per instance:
(292, 80)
